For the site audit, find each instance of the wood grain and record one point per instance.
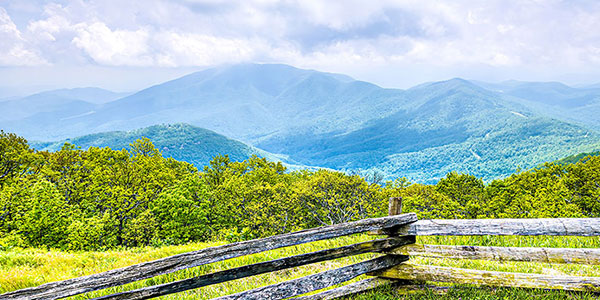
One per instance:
(70, 287)
(491, 278)
(350, 289)
(260, 268)
(551, 226)
(588, 256)
(317, 281)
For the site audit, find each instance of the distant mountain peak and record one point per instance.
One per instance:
(330, 120)
(457, 82)
(453, 85)
(88, 94)
(274, 67)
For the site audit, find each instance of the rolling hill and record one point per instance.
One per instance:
(180, 141)
(55, 104)
(334, 121)
(450, 126)
(576, 158)
(245, 102)
(554, 99)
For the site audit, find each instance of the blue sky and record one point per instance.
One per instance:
(126, 45)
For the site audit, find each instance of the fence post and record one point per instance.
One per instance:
(395, 207)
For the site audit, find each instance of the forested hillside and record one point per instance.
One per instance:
(577, 157)
(320, 119)
(102, 198)
(579, 105)
(182, 142)
(449, 126)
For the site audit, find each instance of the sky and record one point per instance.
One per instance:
(129, 45)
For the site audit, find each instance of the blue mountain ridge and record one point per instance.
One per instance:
(334, 121)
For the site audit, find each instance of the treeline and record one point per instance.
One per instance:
(102, 198)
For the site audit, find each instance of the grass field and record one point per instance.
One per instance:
(20, 268)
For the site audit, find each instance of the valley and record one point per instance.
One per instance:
(310, 118)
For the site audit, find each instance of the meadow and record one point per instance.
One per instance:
(75, 212)
(21, 268)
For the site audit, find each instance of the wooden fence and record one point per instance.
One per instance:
(396, 248)
(478, 227)
(75, 286)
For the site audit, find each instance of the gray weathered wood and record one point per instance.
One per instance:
(400, 287)
(318, 281)
(588, 256)
(395, 207)
(491, 278)
(350, 289)
(260, 268)
(555, 226)
(70, 287)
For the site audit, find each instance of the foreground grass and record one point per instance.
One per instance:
(471, 292)
(21, 268)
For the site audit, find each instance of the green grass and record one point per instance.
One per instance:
(471, 292)
(20, 268)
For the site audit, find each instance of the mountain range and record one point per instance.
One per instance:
(331, 120)
(578, 105)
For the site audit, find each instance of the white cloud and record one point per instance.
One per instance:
(332, 35)
(176, 49)
(114, 47)
(46, 29)
(13, 48)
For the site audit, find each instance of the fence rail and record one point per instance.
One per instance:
(75, 286)
(522, 227)
(528, 227)
(544, 255)
(396, 248)
(261, 268)
(490, 278)
(318, 281)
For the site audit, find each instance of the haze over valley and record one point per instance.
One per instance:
(312, 118)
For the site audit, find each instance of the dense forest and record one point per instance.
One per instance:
(101, 198)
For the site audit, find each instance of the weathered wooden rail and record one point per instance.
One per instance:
(75, 286)
(390, 267)
(521, 227)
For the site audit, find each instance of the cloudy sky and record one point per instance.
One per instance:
(126, 45)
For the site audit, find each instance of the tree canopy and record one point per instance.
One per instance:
(102, 198)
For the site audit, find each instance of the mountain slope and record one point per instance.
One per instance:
(89, 94)
(333, 121)
(592, 86)
(450, 126)
(27, 107)
(576, 158)
(55, 104)
(247, 102)
(554, 99)
(180, 141)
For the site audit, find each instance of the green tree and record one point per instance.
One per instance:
(583, 181)
(41, 217)
(16, 158)
(333, 197)
(257, 198)
(467, 191)
(428, 203)
(90, 233)
(539, 193)
(183, 212)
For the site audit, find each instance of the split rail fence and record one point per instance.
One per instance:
(390, 267)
